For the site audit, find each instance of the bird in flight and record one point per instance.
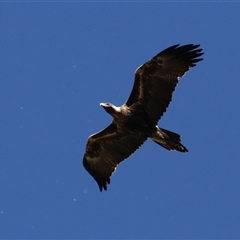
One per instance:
(136, 120)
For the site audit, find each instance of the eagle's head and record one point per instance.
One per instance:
(111, 109)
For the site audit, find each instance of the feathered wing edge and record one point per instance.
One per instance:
(106, 149)
(155, 80)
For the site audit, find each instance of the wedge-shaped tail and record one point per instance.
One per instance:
(168, 140)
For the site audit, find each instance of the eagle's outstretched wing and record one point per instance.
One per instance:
(156, 80)
(106, 149)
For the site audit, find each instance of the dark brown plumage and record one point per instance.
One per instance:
(136, 120)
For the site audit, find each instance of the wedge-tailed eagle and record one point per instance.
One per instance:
(136, 120)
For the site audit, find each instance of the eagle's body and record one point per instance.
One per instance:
(136, 120)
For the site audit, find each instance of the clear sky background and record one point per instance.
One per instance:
(58, 62)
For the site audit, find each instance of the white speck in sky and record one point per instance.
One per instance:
(85, 191)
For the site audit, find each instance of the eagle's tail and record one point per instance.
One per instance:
(168, 140)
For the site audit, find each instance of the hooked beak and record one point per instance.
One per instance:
(103, 104)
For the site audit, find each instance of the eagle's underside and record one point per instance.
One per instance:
(136, 120)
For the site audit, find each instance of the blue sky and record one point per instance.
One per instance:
(58, 62)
